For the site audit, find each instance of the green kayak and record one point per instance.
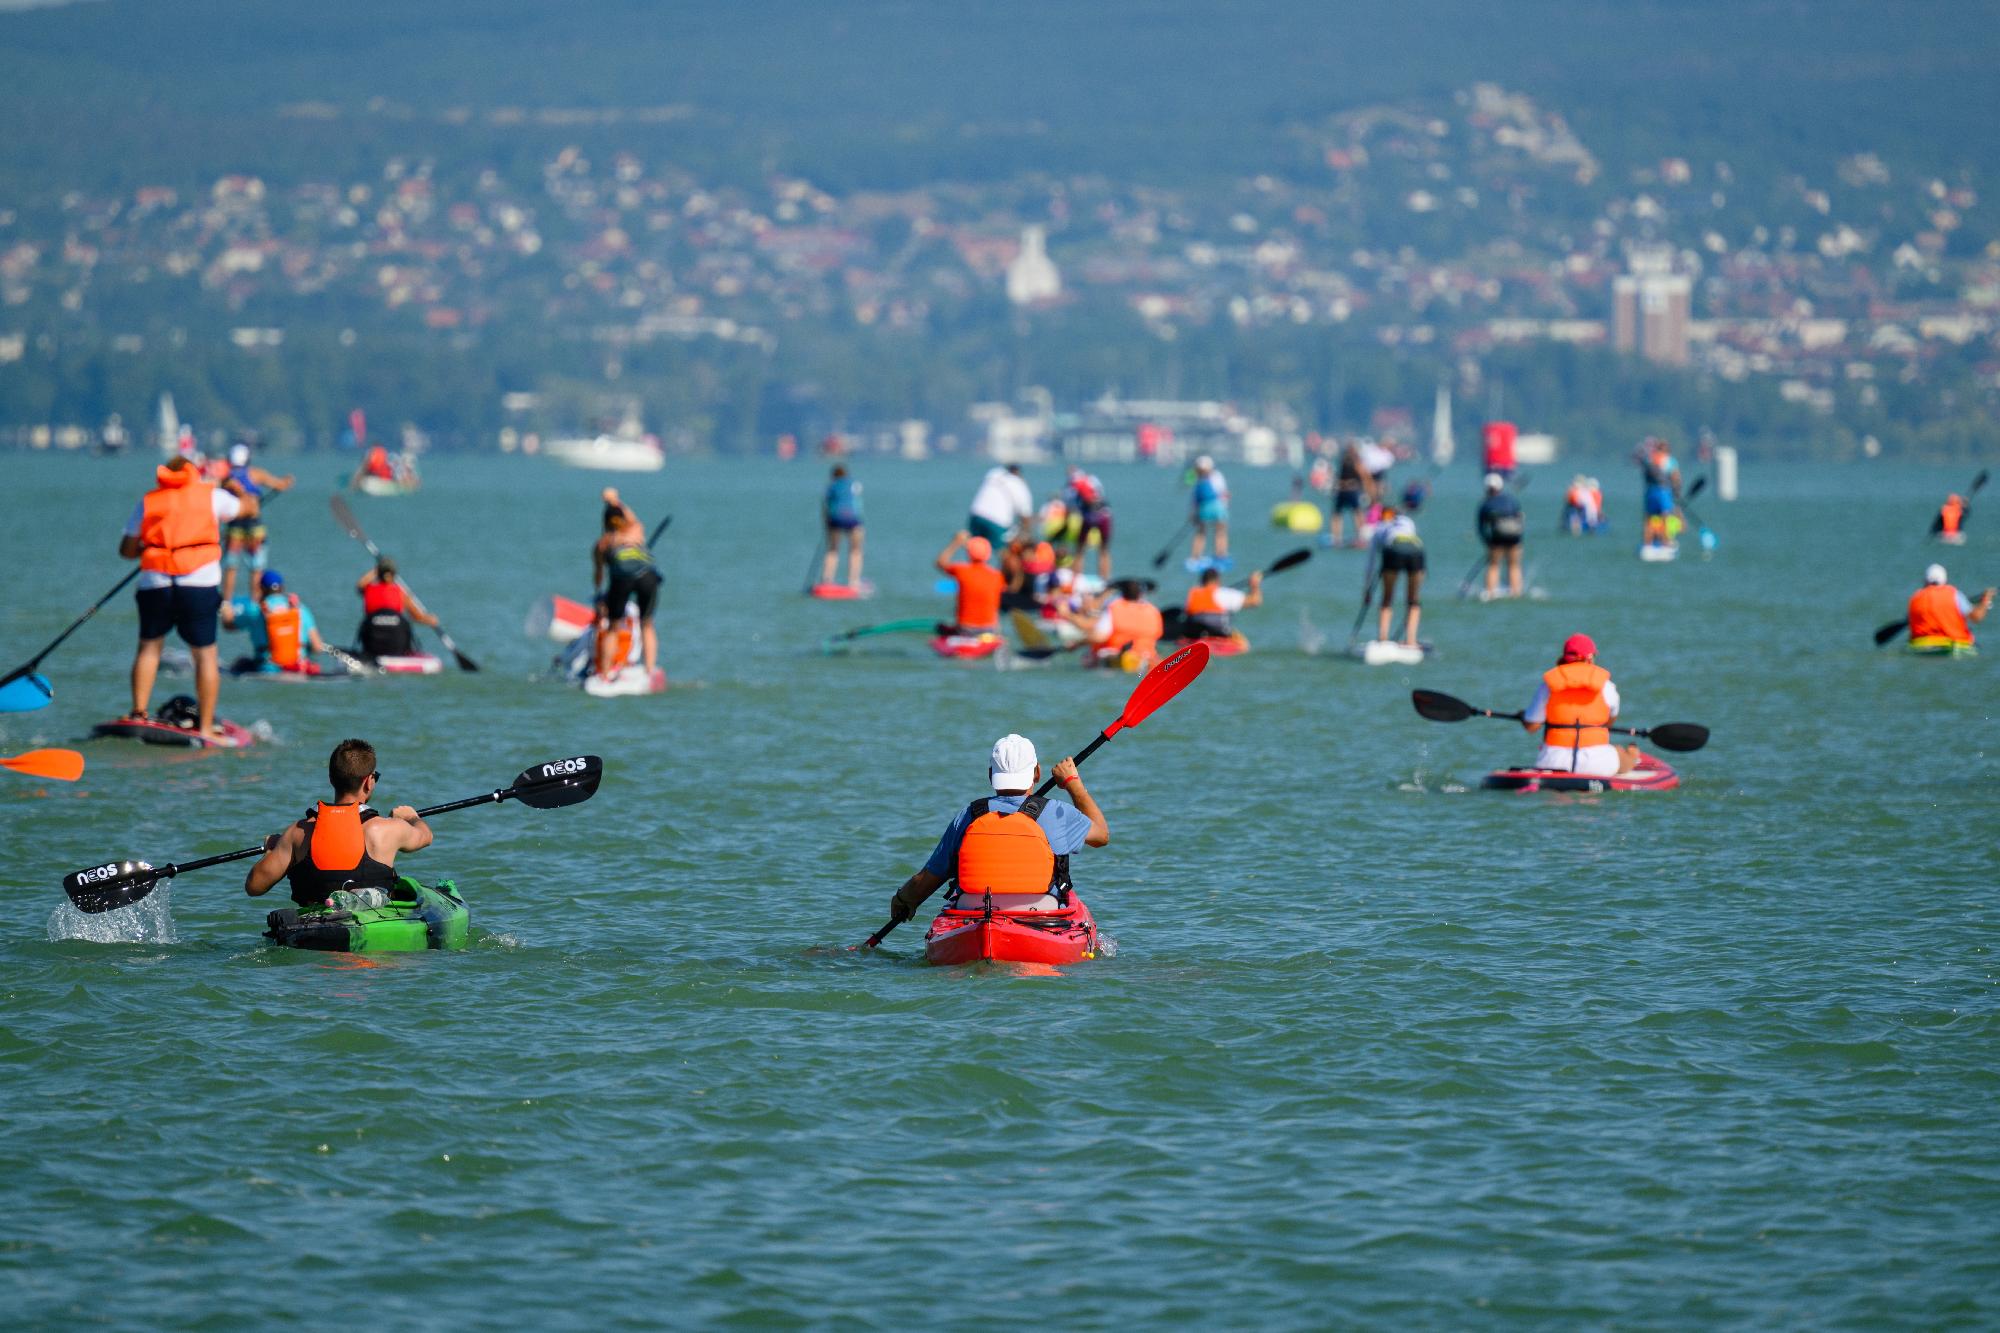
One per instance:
(416, 917)
(1939, 646)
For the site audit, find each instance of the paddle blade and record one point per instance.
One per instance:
(1289, 560)
(1696, 489)
(1977, 483)
(345, 517)
(1162, 683)
(464, 663)
(107, 887)
(1441, 707)
(560, 782)
(1890, 631)
(26, 694)
(1681, 736)
(57, 765)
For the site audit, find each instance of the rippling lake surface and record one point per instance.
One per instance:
(1374, 1048)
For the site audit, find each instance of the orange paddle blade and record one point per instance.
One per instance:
(60, 765)
(1162, 683)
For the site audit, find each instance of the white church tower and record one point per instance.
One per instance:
(1032, 277)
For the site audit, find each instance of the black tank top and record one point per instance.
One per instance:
(312, 883)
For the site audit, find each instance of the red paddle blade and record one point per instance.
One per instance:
(1162, 683)
(57, 765)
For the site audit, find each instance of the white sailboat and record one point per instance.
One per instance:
(1442, 444)
(627, 449)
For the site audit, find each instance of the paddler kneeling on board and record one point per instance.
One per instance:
(342, 846)
(1940, 614)
(1574, 706)
(1210, 606)
(1126, 629)
(282, 631)
(977, 610)
(997, 846)
(387, 608)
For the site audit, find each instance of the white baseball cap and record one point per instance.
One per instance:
(1494, 481)
(1935, 574)
(1204, 464)
(1013, 763)
(239, 454)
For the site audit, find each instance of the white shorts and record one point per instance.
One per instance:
(1598, 761)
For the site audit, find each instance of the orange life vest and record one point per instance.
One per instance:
(1577, 714)
(1950, 515)
(1004, 852)
(1203, 601)
(1136, 625)
(979, 589)
(178, 533)
(281, 633)
(1040, 560)
(381, 596)
(336, 855)
(1934, 613)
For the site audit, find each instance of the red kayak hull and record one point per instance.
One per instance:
(1050, 938)
(966, 646)
(1650, 775)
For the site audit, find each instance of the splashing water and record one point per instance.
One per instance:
(148, 921)
(1311, 637)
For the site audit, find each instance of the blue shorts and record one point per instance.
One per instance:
(1212, 511)
(190, 612)
(1346, 502)
(842, 522)
(1659, 501)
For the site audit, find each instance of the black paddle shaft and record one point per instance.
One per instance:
(96, 606)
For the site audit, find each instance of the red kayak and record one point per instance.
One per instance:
(972, 936)
(841, 592)
(966, 646)
(1649, 775)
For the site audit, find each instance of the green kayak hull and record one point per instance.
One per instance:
(417, 917)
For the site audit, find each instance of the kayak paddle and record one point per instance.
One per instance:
(1162, 683)
(1978, 482)
(1668, 735)
(21, 690)
(1289, 560)
(926, 624)
(56, 765)
(1172, 542)
(659, 531)
(544, 787)
(345, 517)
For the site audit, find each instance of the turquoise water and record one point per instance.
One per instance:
(1374, 1047)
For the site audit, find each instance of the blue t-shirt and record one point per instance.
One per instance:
(843, 501)
(250, 616)
(1065, 825)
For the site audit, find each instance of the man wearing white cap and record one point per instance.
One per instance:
(1501, 527)
(244, 537)
(1940, 615)
(1211, 513)
(990, 829)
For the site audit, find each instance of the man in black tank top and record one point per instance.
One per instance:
(340, 844)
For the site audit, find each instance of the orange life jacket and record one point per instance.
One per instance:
(1934, 613)
(1136, 625)
(380, 596)
(1577, 714)
(1203, 601)
(1004, 852)
(178, 533)
(336, 855)
(979, 589)
(1040, 560)
(281, 633)
(1950, 515)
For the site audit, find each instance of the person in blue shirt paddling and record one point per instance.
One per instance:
(283, 633)
(843, 515)
(1663, 492)
(1014, 772)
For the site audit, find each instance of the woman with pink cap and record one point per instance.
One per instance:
(1574, 708)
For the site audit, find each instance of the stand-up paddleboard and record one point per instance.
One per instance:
(1202, 564)
(1385, 652)
(413, 664)
(626, 681)
(1648, 775)
(248, 668)
(842, 592)
(172, 723)
(1654, 553)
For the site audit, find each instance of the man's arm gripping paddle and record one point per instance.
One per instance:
(1162, 683)
(1682, 736)
(547, 786)
(345, 517)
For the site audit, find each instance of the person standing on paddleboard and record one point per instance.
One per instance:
(1663, 492)
(1353, 491)
(1574, 707)
(1502, 525)
(244, 537)
(999, 850)
(1090, 516)
(1210, 503)
(387, 608)
(175, 534)
(842, 510)
(342, 846)
(1002, 501)
(1940, 614)
(622, 561)
(1398, 550)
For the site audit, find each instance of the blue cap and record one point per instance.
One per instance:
(270, 578)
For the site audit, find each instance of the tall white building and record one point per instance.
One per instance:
(1650, 308)
(1032, 277)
